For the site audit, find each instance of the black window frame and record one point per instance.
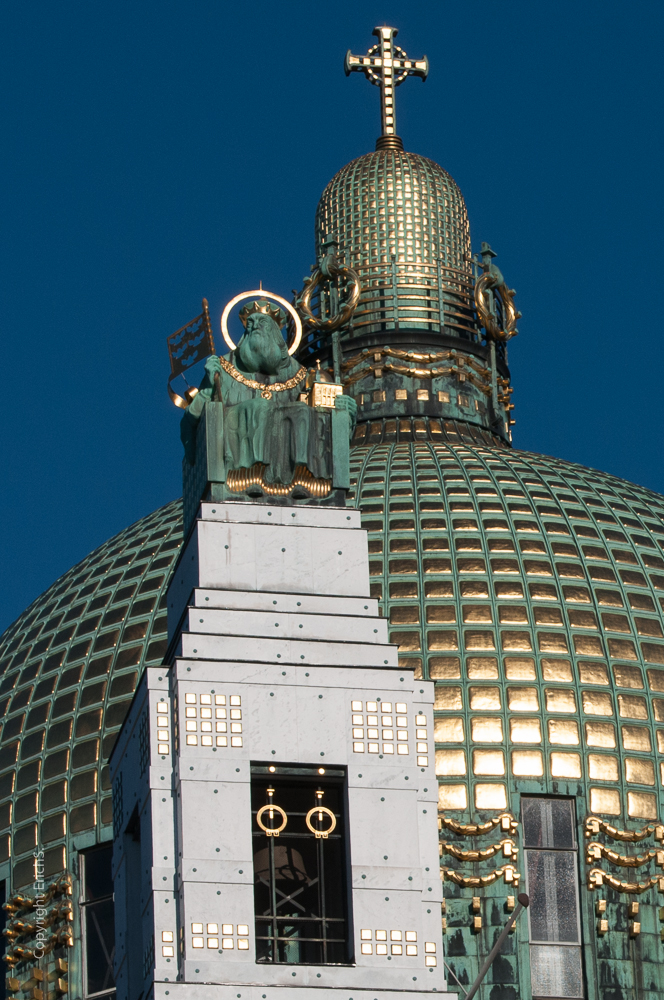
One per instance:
(567, 848)
(278, 938)
(87, 908)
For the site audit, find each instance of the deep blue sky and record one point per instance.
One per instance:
(156, 152)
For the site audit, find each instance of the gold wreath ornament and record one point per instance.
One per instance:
(261, 294)
(347, 309)
(321, 834)
(271, 809)
(490, 282)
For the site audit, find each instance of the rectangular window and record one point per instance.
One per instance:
(301, 888)
(98, 921)
(552, 882)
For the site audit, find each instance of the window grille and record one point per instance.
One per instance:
(301, 893)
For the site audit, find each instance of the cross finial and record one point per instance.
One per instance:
(386, 65)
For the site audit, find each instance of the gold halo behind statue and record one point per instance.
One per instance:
(261, 294)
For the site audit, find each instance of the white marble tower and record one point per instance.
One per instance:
(281, 696)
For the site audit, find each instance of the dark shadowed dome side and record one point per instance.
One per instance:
(69, 666)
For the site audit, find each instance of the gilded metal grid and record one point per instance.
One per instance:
(532, 592)
(401, 222)
(69, 666)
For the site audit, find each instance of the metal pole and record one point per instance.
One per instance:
(494, 378)
(523, 903)
(441, 316)
(451, 972)
(336, 356)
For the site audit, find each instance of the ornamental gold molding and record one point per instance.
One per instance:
(239, 480)
(508, 847)
(26, 939)
(507, 872)
(595, 852)
(597, 877)
(507, 824)
(594, 825)
(464, 367)
(425, 358)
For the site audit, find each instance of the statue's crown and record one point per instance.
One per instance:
(263, 306)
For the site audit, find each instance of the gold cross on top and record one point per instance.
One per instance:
(386, 65)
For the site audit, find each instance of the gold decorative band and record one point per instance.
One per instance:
(597, 877)
(507, 823)
(239, 480)
(508, 872)
(593, 826)
(595, 852)
(508, 848)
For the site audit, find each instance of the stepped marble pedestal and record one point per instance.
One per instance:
(271, 628)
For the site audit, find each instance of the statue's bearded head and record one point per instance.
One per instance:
(262, 348)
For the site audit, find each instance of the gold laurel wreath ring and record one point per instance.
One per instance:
(488, 281)
(328, 812)
(275, 831)
(262, 294)
(347, 309)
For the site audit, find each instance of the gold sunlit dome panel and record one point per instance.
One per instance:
(531, 591)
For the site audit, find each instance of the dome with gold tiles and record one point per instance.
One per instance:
(531, 592)
(69, 666)
(528, 589)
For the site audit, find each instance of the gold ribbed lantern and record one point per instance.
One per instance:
(400, 221)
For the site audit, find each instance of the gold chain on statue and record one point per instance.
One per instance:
(266, 390)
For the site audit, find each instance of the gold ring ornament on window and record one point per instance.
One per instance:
(322, 811)
(328, 270)
(276, 314)
(489, 282)
(271, 809)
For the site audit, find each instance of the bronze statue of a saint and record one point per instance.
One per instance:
(267, 420)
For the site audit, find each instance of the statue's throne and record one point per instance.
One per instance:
(209, 479)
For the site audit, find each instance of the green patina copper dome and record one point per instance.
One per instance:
(531, 591)
(525, 586)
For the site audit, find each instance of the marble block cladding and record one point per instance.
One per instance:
(269, 617)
